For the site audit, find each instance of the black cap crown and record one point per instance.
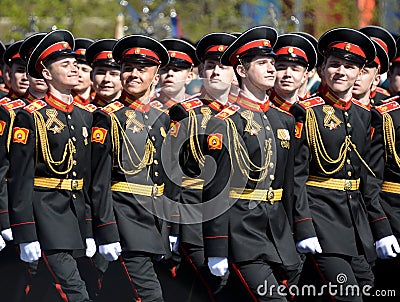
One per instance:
(212, 46)
(139, 48)
(181, 53)
(29, 44)
(258, 40)
(12, 55)
(81, 45)
(293, 47)
(100, 53)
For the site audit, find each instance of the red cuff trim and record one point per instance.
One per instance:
(4, 211)
(303, 219)
(104, 224)
(22, 223)
(384, 217)
(215, 237)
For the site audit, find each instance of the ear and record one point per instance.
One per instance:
(46, 74)
(305, 77)
(241, 71)
(156, 79)
(189, 77)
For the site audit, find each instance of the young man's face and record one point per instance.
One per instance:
(339, 74)
(394, 79)
(217, 77)
(64, 72)
(137, 78)
(261, 72)
(37, 85)
(84, 78)
(369, 77)
(290, 76)
(107, 82)
(18, 78)
(173, 79)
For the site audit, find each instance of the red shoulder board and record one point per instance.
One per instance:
(4, 100)
(156, 104)
(14, 105)
(308, 103)
(113, 107)
(227, 112)
(382, 90)
(387, 107)
(35, 106)
(91, 107)
(388, 100)
(191, 104)
(358, 103)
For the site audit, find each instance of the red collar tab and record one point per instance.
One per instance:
(332, 99)
(279, 102)
(252, 105)
(180, 55)
(57, 103)
(248, 46)
(349, 47)
(146, 53)
(290, 50)
(135, 104)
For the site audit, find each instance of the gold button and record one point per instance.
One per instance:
(153, 138)
(156, 173)
(149, 127)
(348, 161)
(349, 173)
(268, 128)
(346, 113)
(68, 116)
(156, 162)
(74, 138)
(350, 197)
(74, 162)
(146, 116)
(272, 177)
(72, 127)
(73, 173)
(271, 165)
(348, 125)
(265, 117)
(74, 196)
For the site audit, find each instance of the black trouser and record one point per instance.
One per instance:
(335, 278)
(387, 281)
(140, 272)
(258, 280)
(65, 276)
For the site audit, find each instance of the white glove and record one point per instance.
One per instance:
(110, 251)
(7, 234)
(218, 265)
(2, 243)
(30, 251)
(309, 245)
(387, 247)
(90, 247)
(173, 242)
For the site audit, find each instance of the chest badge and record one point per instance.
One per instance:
(331, 121)
(252, 126)
(53, 123)
(132, 123)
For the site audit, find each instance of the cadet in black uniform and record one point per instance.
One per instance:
(189, 120)
(3, 86)
(332, 219)
(254, 234)
(128, 175)
(365, 88)
(49, 150)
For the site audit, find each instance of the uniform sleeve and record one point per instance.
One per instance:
(4, 166)
(21, 178)
(302, 219)
(216, 202)
(104, 223)
(380, 225)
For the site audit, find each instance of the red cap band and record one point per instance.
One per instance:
(80, 51)
(52, 49)
(349, 47)
(149, 54)
(180, 55)
(292, 50)
(246, 47)
(104, 55)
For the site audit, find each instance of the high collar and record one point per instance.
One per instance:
(12, 95)
(246, 102)
(134, 103)
(334, 100)
(29, 97)
(217, 106)
(166, 100)
(279, 102)
(57, 103)
(79, 99)
(99, 102)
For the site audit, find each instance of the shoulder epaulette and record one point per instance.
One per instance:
(311, 102)
(388, 100)
(156, 104)
(191, 104)
(387, 107)
(35, 106)
(14, 105)
(227, 112)
(4, 100)
(113, 107)
(358, 103)
(281, 110)
(382, 90)
(88, 107)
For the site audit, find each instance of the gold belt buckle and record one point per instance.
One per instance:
(270, 196)
(74, 185)
(347, 184)
(154, 191)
